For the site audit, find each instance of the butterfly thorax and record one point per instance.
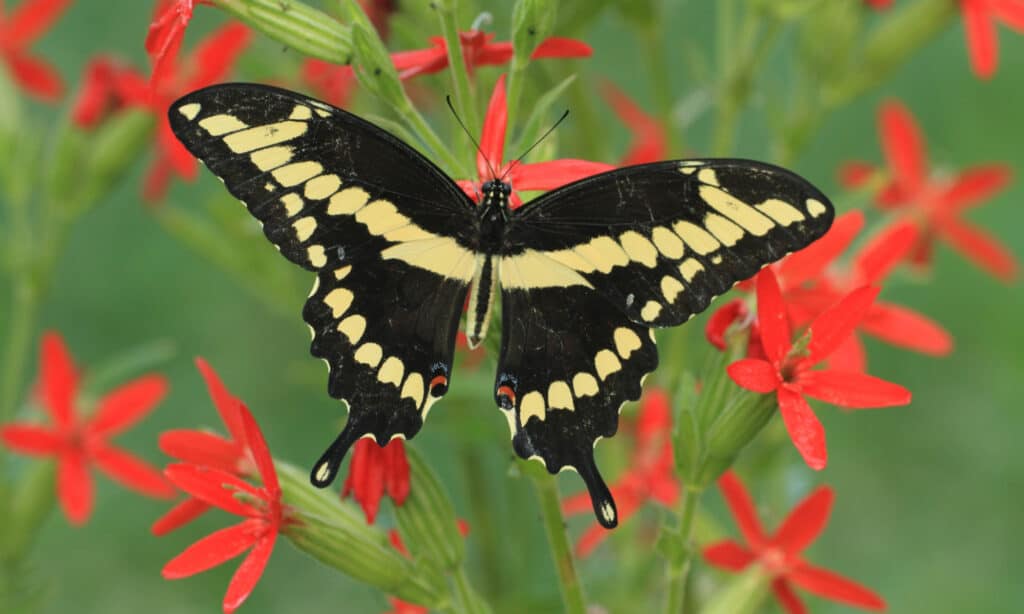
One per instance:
(493, 216)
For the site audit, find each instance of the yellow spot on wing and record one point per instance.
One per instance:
(667, 242)
(217, 125)
(301, 112)
(651, 311)
(316, 255)
(353, 327)
(639, 248)
(293, 204)
(339, 300)
(689, 269)
(271, 157)
(532, 269)
(347, 201)
(571, 259)
(297, 172)
(531, 405)
(413, 389)
(340, 273)
(559, 396)
(626, 342)
(708, 176)
(441, 255)
(696, 237)
(323, 186)
(606, 363)
(584, 385)
(381, 216)
(190, 110)
(604, 253)
(738, 211)
(815, 207)
(259, 137)
(726, 232)
(780, 211)
(391, 371)
(670, 288)
(369, 354)
(304, 227)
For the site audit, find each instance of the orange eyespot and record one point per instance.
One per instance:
(438, 385)
(506, 397)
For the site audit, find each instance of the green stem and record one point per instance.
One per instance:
(654, 42)
(423, 130)
(678, 571)
(469, 602)
(465, 102)
(561, 551)
(24, 301)
(485, 533)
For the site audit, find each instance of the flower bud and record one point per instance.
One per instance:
(427, 519)
(303, 28)
(532, 21)
(116, 146)
(374, 68)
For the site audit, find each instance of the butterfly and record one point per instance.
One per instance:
(585, 272)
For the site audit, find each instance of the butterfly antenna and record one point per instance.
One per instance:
(479, 149)
(532, 147)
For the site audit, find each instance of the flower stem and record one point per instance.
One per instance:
(678, 571)
(561, 551)
(464, 100)
(24, 300)
(468, 600)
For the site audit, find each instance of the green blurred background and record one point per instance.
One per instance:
(929, 497)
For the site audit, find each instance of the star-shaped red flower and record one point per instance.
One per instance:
(980, 17)
(648, 144)
(265, 516)
(650, 476)
(79, 442)
(787, 370)
(523, 176)
(18, 30)
(934, 203)
(478, 49)
(375, 470)
(781, 554)
(206, 449)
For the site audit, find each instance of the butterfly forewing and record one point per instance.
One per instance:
(389, 235)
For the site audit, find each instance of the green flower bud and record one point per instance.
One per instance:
(115, 146)
(427, 518)
(303, 28)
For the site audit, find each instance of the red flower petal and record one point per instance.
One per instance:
(577, 504)
(906, 328)
(728, 555)
(649, 144)
(396, 474)
(980, 30)
(787, 598)
(805, 523)
(260, 452)
(836, 323)
(903, 146)
(178, 516)
(216, 54)
(857, 390)
(772, 318)
(856, 174)
(848, 356)
(30, 20)
(166, 32)
(884, 251)
(74, 487)
(556, 47)
(553, 173)
(214, 549)
(214, 487)
(32, 440)
(979, 248)
(974, 186)
(227, 404)
(94, 94)
(199, 448)
(756, 375)
(742, 508)
(410, 64)
(127, 404)
(1010, 12)
(722, 319)
(830, 585)
(248, 573)
(803, 427)
(492, 139)
(131, 472)
(58, 379)
(366, 477)
(809, 263)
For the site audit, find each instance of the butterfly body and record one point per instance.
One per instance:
(585, 272)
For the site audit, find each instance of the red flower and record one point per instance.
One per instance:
(17, 33)
(78, 442)
(980, 17)
(478, 50)
(649, 477)
(329, 82)
(532, 176)
(878, 5)
(781, 554)
(649, 143)
(787, 370)
(935, 203)
(265, 516)
(108, 86)
(206, 449)
(373, 471)
(209, 63)
(170, 18)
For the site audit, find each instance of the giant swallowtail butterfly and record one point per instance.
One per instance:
(585, 272)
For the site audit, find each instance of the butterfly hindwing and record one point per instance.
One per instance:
(387, 233)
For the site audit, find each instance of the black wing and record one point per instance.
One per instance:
(388, 234)
(588, 269)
